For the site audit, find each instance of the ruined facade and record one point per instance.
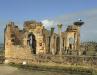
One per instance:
(34, 39)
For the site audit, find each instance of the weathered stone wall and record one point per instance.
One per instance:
(71, 37)
(37, 30)
(18, 52)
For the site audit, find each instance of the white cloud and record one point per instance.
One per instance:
(48, 23)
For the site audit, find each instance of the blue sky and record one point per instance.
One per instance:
(60, 11)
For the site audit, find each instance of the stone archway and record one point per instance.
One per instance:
(32, 42)
(71, 42)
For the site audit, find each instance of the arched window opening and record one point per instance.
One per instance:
(71, 42)
(32, 42)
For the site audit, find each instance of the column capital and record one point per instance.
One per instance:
(59, 25)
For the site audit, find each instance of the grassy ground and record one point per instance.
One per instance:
(10, 70)
(80, 70)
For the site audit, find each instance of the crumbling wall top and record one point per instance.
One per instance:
(71, 28)
(31, 25)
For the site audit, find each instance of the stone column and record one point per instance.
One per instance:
(75, 39)
(52, 41)
(78, 39)
(60, 38)
(79, 23)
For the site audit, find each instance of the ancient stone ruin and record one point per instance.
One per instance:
(35, 39)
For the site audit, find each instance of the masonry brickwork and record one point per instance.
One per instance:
(35, 39)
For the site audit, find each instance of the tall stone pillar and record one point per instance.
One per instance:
(60, 38)
(75, 39)
(78, 38)
(79, 23)
(52, 48)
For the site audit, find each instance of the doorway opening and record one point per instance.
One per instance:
(32, 42)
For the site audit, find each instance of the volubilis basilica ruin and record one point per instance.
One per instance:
(34, 40)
